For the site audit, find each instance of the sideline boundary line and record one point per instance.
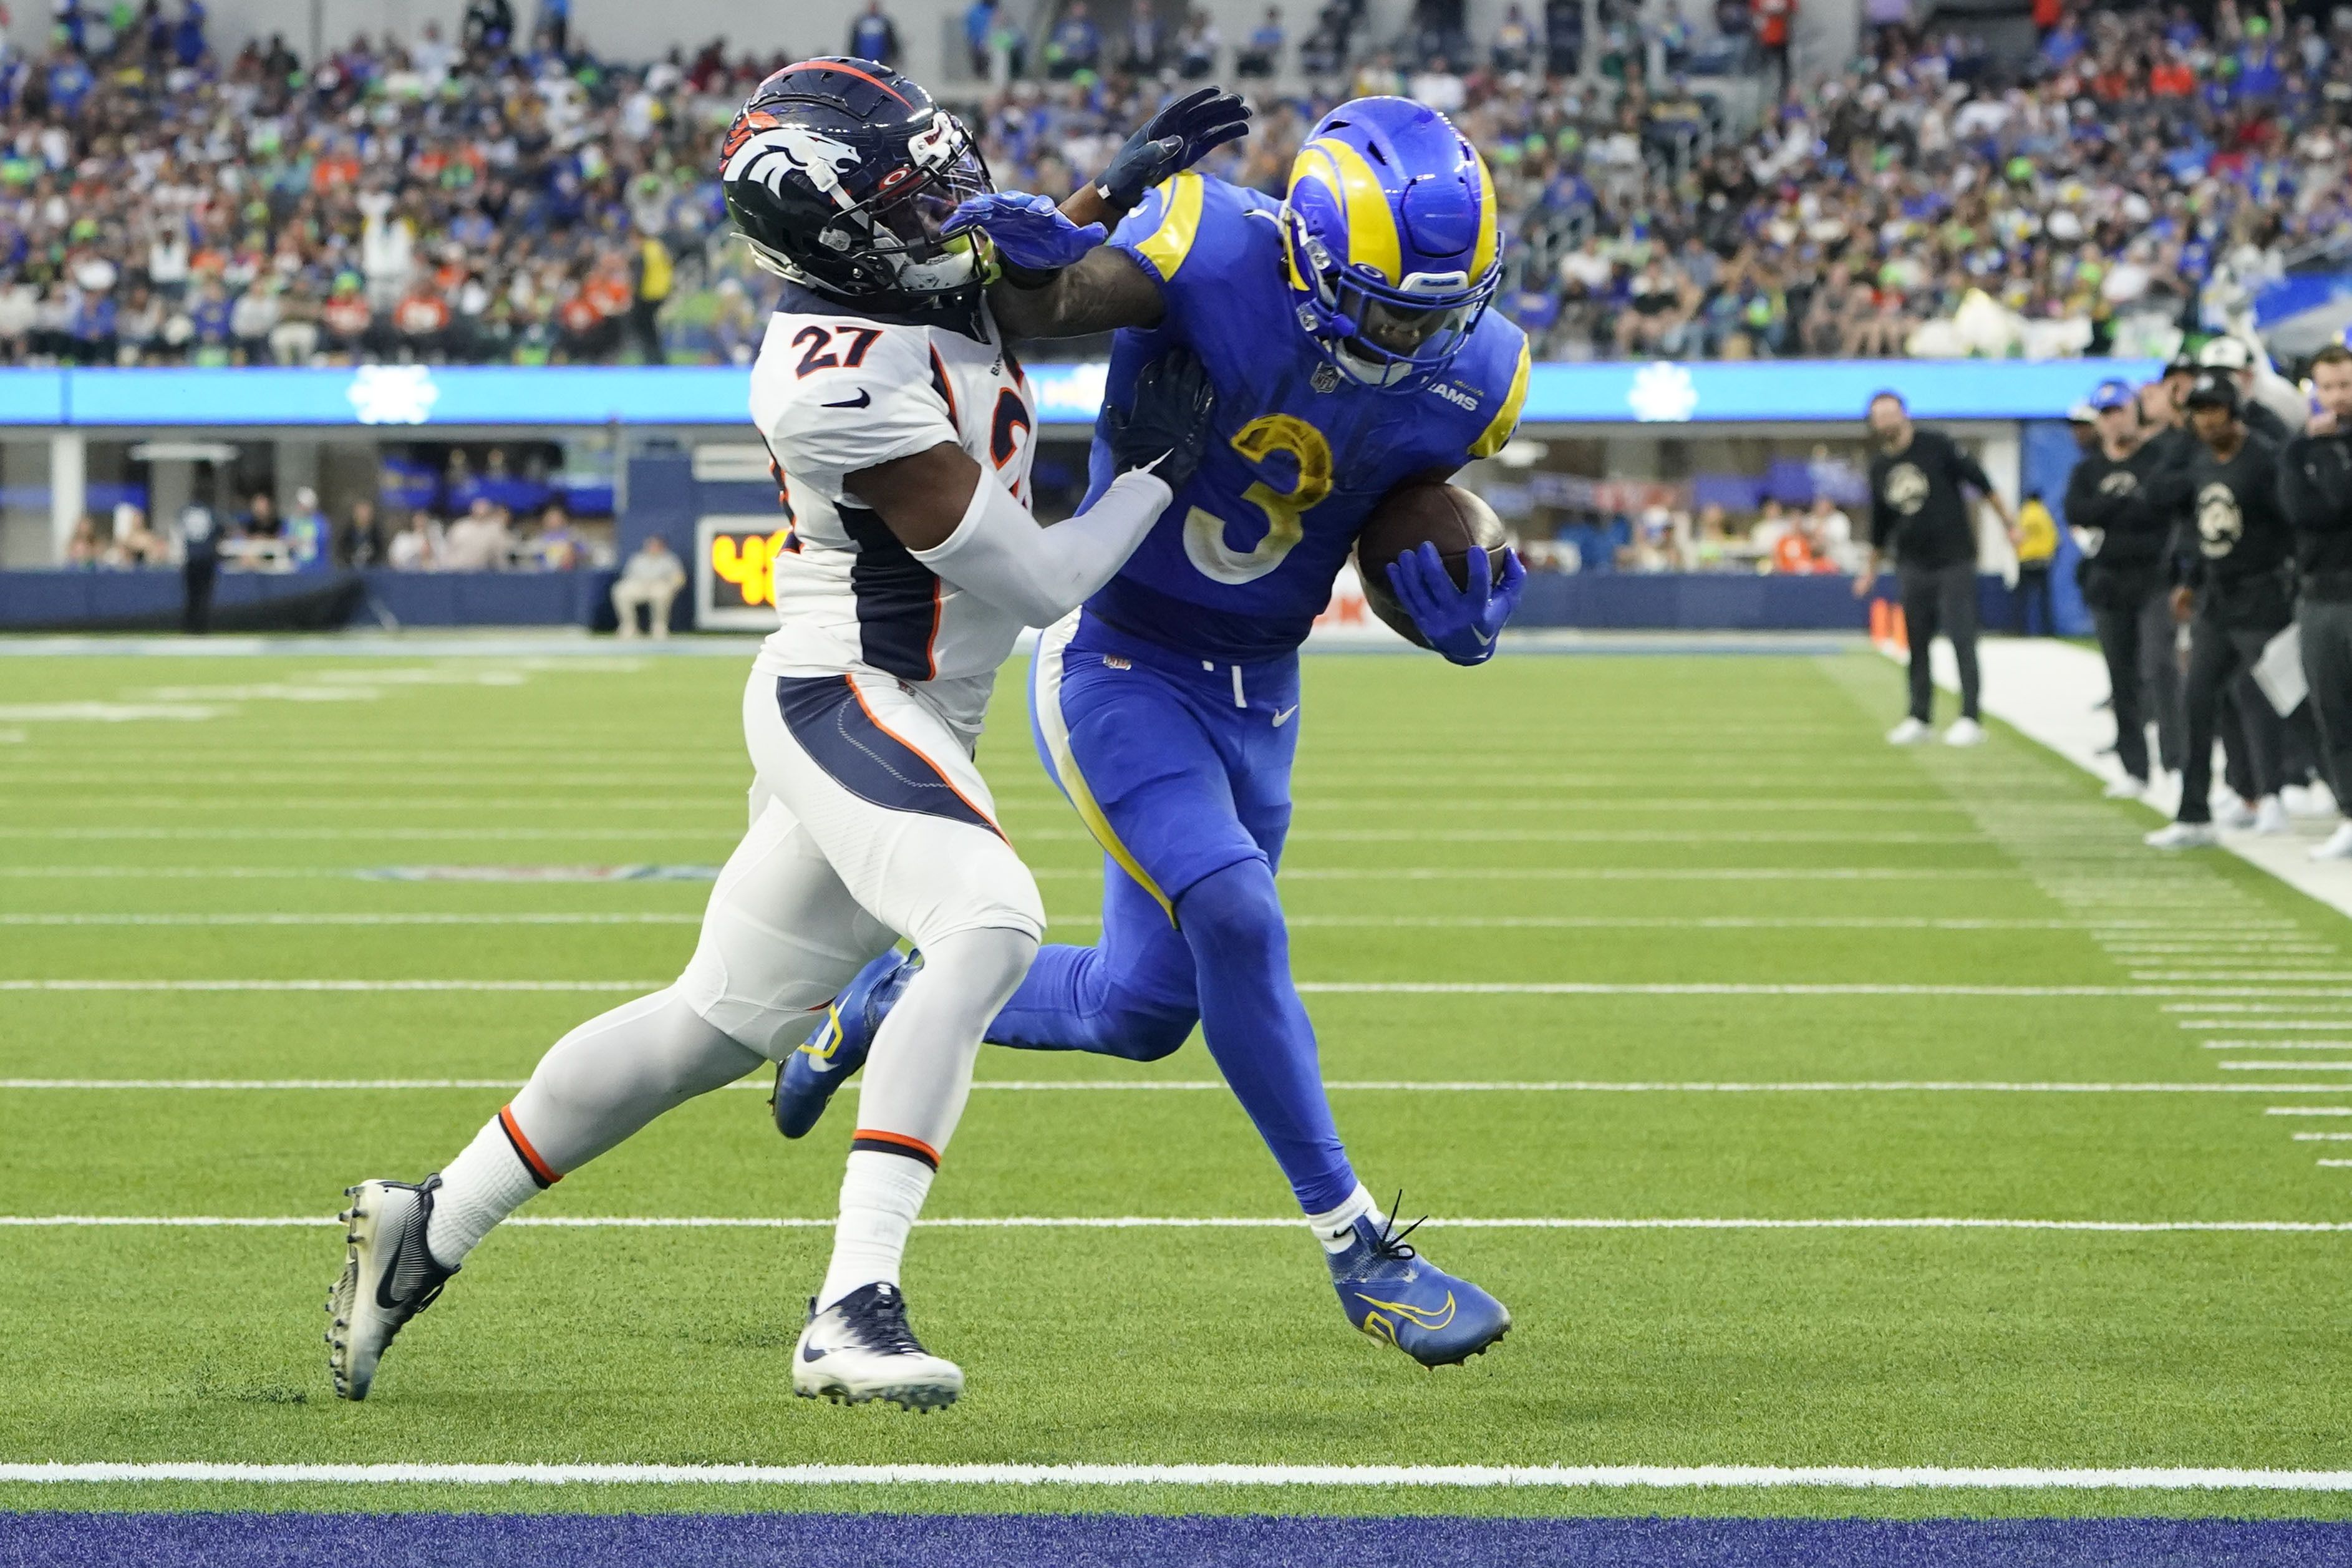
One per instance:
(1305, 987)
(1180, 1222)
(1647, 1476)
(1209, 1085)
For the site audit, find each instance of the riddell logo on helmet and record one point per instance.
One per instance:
(1457, 397)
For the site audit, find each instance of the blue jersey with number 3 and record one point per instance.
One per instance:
(1243, 561)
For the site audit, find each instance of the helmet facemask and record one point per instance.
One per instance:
(1383, 335)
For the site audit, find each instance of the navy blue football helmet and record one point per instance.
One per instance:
(841, 174)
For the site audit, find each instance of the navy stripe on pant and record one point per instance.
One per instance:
(831, 722)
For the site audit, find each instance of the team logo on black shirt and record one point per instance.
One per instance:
(1907, 488)
(2122, 483)
(2220, 523)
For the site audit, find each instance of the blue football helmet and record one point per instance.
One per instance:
(1390, 230)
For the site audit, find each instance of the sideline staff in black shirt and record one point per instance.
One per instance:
(2315, 492)
(2111, 507)
(1920, 513)
(2237, 591)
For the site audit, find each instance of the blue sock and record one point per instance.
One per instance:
(1257, 1028)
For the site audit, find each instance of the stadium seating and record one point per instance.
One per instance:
(486, 199)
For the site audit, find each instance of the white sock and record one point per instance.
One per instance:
(880, 1196)
(1335, 1228)
(487, 1182)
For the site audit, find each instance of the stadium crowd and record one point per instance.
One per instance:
(487, 198)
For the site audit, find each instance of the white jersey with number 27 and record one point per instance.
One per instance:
(833, 394)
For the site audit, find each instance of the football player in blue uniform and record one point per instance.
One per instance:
(1346, 332)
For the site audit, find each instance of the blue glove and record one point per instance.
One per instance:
(1165, 426)
(1029, 232)
(1461, 623)
(1172, 141)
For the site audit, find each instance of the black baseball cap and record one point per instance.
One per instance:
(2182, 363)
(2214, 389)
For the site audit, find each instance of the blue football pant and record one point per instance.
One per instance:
(1194, 791)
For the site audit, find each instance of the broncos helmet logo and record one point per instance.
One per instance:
(765, 154)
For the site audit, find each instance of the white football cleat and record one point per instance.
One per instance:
(2339, 846)
(1965, 733)
(860, 1348)
(2125, 788)
(2232, 812)
(389, 1277)
(2270, 817)
(2314, 799)
(1910, 732)
(2183, 835)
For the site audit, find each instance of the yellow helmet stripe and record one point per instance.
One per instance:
(1482, 256)
(1180, 224)
(1507, 419)
(1371, 227)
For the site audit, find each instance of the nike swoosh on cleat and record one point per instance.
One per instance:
(860, 401)
(1484, 640)
(1284, 717)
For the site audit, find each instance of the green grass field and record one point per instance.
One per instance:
(1781, 952)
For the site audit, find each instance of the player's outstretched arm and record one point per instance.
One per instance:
(955, 519)
(1100, 293)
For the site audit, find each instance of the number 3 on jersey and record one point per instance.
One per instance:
(1205, 533)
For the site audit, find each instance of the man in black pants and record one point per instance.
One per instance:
(2110, 507)
(1920, 511)
(2237, 593)
(2316, 494)
(199, 569)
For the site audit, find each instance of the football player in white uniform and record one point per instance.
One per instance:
(901, 428)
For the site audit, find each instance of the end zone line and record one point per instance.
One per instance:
(1210, 1085)
(1614, 1477)
(1180, 1222)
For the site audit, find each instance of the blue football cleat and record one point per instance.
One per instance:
(1401, 1298)
(807, 1079)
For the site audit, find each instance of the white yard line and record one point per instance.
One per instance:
(1310, 987)
(2285, 1067)
(2049, 690)
(1210, 1085)
(2278, 1045)
(2309, 1110)
(1647, 1478)
(1349, 923)
(2258, 1026)
(1218, 1222)
(2322, 1137)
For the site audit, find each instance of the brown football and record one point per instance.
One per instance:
(1423, 512)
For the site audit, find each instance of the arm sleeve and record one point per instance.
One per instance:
(1000, 553)
(1967, 470)
(2085, 506)
(1881, 516)
(2314, 486)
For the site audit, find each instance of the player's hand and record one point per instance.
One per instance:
(1172, 141)
(2184, 605)
(1460, 623)
(1165, 426)
(1864, 584)
(1028, 231)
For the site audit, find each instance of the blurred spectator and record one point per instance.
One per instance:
(307, 532)
(360, 543)
(480, 541)
(650, 582)
(1262, 56)
(1075, 44)
(557, 546)
(418, 547)
(1514, 50)
(260, 519)
(979, 23)
(873, 36)
(1197, 50)
(199, 568)
(2037, 549)
(1775, 19)
(85, 547)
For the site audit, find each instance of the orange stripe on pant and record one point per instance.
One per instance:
(539, 1170)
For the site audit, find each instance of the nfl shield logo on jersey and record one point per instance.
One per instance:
(1325, 379)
